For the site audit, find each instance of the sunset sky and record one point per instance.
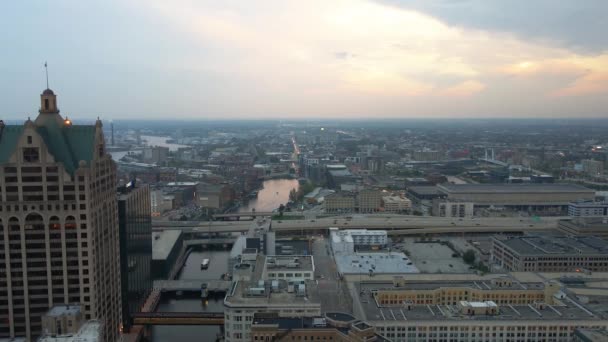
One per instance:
(294, 59)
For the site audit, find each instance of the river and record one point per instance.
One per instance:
(152, 140)
(275, 192)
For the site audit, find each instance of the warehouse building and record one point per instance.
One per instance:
(548, 253)
(545, 199)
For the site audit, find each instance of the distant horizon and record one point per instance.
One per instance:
(77, 118)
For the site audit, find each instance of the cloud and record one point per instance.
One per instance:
(578, 25)
(589, 75)
(464, 89)
(314, 58)
(592, 83)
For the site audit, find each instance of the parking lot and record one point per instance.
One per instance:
(433, 257)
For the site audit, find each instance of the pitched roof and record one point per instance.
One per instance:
(9, 136)
(68, 144)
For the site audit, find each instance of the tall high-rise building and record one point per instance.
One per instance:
(135, 225)
(58, 222)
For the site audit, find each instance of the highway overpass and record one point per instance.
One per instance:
(417, 222)
(396, 222)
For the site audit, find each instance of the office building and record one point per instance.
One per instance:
(347, 240)
(340, 202)
(427, 155)
(255, 294)
(369, 201)
(547, 253)
(155, 154)
(167, 247)
(59, 219)
(452, 208)
(543, 198)
(587, 208)
(135, 231)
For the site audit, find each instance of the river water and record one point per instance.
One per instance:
(274, 193)
(152, 140)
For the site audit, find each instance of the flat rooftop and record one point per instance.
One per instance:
(379, 263)
(433, 285)
(514, 188)
(424, 190)
(63, 310)
(239, 295)
(163, 242)
(289, 263)
(373, 312)
(89, 332)
(553, 245)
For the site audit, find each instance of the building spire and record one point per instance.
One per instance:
(46, 69)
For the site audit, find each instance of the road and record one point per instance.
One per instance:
(332, 290)
(409, 222)
(394, 224)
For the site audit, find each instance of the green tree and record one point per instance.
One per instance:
(293, 195)
(469, 256)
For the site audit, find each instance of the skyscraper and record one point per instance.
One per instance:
(59, 223)
(135, 224)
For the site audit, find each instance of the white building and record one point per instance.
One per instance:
(396, 204)
(447, 208)
(587, 208)
(277, 289)
(294, 268)
(345, 241)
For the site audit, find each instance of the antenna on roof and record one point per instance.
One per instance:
(46, 69)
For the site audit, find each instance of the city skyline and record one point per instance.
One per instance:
(350, 59)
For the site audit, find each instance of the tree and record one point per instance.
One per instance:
(281, 210)
(293, 195)
(469, 256)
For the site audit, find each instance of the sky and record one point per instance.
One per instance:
(293, 59)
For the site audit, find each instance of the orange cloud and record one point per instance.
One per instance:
(592, 83)
(463, 89)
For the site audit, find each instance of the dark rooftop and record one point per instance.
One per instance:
(511, 188)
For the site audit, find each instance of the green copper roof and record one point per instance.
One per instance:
(68, 144)
(9, 136)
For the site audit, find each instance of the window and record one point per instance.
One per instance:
(29, 139)
(31, 154)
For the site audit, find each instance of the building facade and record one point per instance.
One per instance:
(340, 203)
(59, 223)
(396, 204)
(135, 231)
(445, 208)
(369, 201)
(587, 209)
(537, 253)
